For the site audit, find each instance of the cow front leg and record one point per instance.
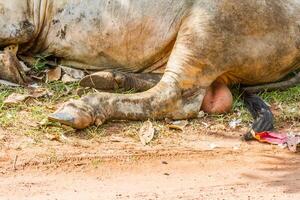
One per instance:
(165, 100)
(178, 95)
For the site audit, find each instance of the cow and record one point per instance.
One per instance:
(181, 55)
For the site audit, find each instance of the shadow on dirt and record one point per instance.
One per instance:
(289, 167)
(279, 171)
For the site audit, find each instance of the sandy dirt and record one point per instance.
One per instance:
(194, 164)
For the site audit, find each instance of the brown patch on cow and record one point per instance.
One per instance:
(2, 10)
(55, 21)
(62, 32)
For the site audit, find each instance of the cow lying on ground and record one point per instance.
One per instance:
(181, 55)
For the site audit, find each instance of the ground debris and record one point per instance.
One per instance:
(52, 137)
(16, 98)
(178, 125)
(73, 73)
(40, 93)
(3, 138)
(15, 163)
(235, 123)
(201, 114)
(212, 146)
(68, 79)
(217, 127)
(146, 132)
(53, 74)
(292, 141)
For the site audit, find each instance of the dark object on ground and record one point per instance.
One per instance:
(261, 113)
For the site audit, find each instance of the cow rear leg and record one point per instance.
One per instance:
(118, 80)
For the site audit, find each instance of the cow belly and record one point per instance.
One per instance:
(131, 36)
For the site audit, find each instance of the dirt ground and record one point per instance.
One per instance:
(199, 163)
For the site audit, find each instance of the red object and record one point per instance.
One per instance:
(271, 137)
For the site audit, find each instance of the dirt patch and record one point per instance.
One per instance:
(199, 163)
(208, 160)
(202, 175)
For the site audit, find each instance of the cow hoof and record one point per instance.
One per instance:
(100, 80)
(74, 114)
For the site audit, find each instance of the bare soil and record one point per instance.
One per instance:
(199, 163)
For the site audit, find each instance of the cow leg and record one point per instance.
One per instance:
(166, 100)
(10, 67)
(283, 85)
(178, 95)
(118, 80)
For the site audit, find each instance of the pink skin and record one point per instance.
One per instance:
(218, 99)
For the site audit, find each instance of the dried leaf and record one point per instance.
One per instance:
(15, 98)
(68, 79)
(53, 74)
(146, 132)
(179, 125)
(73, 73)
(40, 92)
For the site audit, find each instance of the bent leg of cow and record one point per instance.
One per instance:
(165, 100)
(218, 98)
(117, 80)
(178, 95)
